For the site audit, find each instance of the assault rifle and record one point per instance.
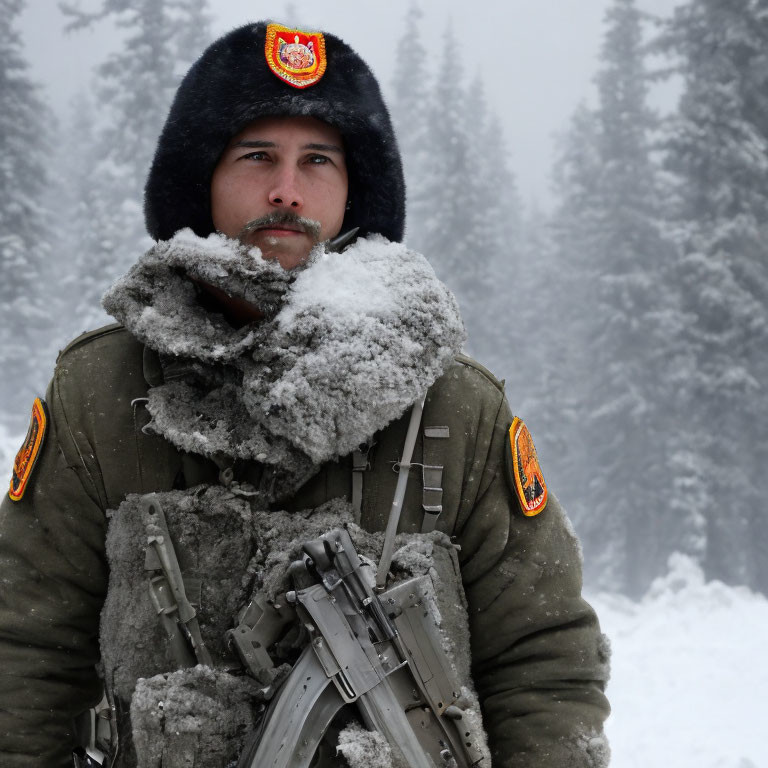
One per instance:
(380, 653)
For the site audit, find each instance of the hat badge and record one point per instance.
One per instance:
(295, 56)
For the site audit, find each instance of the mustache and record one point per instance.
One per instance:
(277, 218)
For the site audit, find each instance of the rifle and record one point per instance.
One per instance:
(381, 653)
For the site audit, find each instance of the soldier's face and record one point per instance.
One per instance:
(282, 165)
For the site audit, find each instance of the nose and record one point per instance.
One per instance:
(285, 192)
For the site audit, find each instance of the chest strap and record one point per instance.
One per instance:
(397, 503)
(360, 462)
(435, 443)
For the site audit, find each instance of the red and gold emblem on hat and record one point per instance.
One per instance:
(295, 56)
(25, 459)
(529, 480)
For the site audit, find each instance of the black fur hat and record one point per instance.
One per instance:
(231, 85)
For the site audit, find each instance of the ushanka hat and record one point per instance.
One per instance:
(267, 70)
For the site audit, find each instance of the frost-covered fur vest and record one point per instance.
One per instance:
(348, 343)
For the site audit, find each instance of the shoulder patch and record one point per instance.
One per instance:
(523, 471)
(26, 458)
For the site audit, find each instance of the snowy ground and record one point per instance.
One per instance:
(689, 686)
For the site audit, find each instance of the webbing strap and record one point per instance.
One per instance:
(359, 465)
(435, 442)
(397, 502)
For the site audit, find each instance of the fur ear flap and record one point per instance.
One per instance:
(232, 85)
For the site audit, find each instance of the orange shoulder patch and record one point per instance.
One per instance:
(26, 458)
(525, 475)
(294, 56)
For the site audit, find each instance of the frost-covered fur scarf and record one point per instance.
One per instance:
(348, 343)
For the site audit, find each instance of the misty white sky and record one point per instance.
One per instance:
(544, 55)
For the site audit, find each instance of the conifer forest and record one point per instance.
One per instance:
(629, 320)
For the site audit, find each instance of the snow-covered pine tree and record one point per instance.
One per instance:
(620, 259)
(634, 320)
(534, 296)
(465, 194)
(194, 34)
(441, 231)
(492, 266)
(717, 149)
(25, 125)
(408, 106)
(83, 204)
(574, 230)
(537, 323)
(464, 211)
(134, 89)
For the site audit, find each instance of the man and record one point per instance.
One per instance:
(267, 363)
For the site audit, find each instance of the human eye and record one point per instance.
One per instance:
(258, 155)
(315, 159)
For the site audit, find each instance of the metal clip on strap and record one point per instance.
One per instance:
(432, 496)
(432, 476)
(359, 465)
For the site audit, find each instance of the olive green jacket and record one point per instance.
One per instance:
(539, 660)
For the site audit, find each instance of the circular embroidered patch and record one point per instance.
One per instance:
(525, 473)
(26, 458)
(294, 56)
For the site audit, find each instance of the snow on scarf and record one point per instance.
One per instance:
(349, 342)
